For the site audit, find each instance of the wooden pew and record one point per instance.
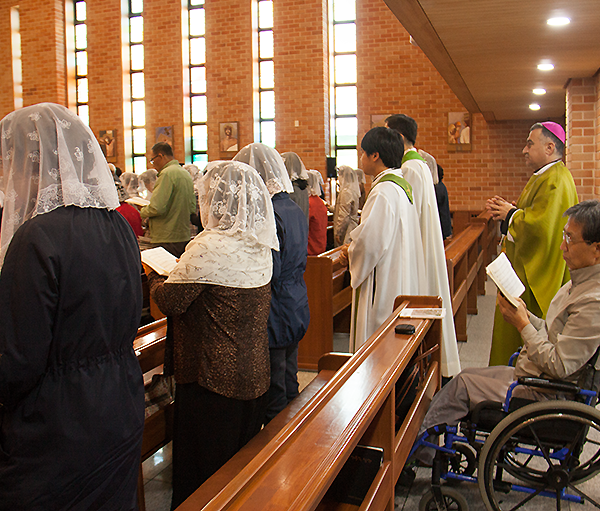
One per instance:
(329, 294)
(293, 461)
(149, 345)
(462, 219)
(464, 261)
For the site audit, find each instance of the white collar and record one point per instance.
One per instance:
(539, 172)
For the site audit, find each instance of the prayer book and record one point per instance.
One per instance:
(356, 476)
(160, 260)
(502, 273)
(424, 313)
(138, 201)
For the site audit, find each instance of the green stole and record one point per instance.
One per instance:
(400, 181)
(412, 155)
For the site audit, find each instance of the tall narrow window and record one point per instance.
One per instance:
(197, 77)
(136, 84)
(266, 74)
(344, 104)
(15, 28)
(81, 61)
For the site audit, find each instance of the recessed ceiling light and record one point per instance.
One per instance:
(539, 92)
(534, 106)
(558, 22)
(546, 66)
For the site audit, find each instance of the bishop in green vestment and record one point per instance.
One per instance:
(533, 231)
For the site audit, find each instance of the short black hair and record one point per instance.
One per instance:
(404, 125)
(387, 142)
(558, 143)
(163, 148)
(587, 214)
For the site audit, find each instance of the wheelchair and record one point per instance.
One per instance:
(519, 450)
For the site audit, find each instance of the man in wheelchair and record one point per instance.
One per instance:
(558, 348)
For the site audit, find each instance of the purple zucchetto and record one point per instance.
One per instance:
(556, 129)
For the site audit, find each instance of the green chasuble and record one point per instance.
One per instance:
(536, 232)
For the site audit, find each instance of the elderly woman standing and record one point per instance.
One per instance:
(289, 316)
(218, 296)
(71, 388)
(345, 216)
(299, 177)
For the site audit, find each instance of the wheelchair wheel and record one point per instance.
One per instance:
(550, 447)
(463, 463)
(453, 499)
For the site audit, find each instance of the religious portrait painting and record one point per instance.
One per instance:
(459, 132)
(165, 134)
(108, 144)
(228, 137)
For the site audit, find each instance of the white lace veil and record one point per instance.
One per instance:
(348, 181)
(314, 185)
(269, 164)
(234, 250)
(294, 166)
(233, 198)
(50, 158)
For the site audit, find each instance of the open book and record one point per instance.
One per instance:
(502, 273)
(138, 201)
(160, 260)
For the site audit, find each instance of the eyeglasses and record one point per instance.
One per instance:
(567, 239)
(154, 158)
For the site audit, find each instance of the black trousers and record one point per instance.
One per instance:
(208, 430)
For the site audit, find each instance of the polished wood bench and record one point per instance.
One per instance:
(464, 262)
(293, 461)
(462, 219)
(149, 345)
(329, 295)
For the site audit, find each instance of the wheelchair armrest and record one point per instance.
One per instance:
(557, 385)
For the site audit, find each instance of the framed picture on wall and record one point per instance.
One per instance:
(459, 132)
(378, 120)
(165, 134)
(108, 144)
(228, 137)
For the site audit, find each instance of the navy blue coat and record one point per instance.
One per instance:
(289, 316)
(70, 384)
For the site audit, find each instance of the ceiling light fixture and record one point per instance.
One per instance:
(545, 66)
(534, 106)
(539, 92)
(558, 22)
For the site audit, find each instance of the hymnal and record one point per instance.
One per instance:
(160, 260)
(502, 273)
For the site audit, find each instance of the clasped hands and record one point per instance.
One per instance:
(499, 207)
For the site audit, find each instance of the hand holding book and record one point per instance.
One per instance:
(502, 273)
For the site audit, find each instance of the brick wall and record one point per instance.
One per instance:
(7, 104)
(582, 132)
(163, 73)
(43, 51)
(302, 80)
(105, 77)
(229, 71)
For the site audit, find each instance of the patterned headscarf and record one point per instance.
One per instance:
(49, 159)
